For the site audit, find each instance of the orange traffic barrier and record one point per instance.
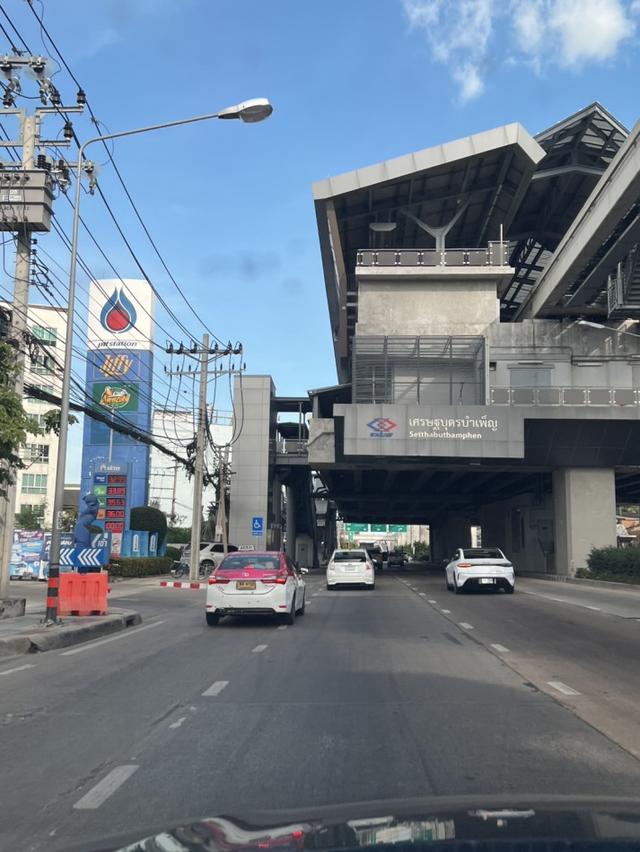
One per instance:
(83, 594)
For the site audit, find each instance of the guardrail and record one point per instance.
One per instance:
(495, 254)
(559, 396)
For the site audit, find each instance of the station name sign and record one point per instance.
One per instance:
(447, 431)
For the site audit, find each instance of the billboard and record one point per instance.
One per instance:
(119, 374)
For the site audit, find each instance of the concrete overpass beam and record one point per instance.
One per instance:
(452, 532)
(584, 502)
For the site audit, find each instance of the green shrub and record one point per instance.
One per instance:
(150, 519)
(619, 565)
(173, 553)
(139, 566)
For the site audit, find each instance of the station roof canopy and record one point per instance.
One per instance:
(481, 179)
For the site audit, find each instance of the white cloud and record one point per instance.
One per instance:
(466, 34)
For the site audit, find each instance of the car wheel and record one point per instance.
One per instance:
(372, 587)
(290, 617)
(456, 588)
(212, 619)
(207, 566)
(330, 588)
(304, 600)
(509, 589)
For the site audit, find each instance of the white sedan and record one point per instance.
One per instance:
(480, 568)
(350, 566)
(267, 583)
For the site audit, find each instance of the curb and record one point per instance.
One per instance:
(579, 581)
(177, 584)
(40, 639)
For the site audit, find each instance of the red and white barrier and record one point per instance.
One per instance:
(178, 584)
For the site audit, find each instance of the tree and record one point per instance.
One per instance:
(149, 519)
(15, 423)
(179, 535)
(29, 518)
(209, 526)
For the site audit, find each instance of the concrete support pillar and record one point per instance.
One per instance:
(276, 513)
(493, 522)
(584, 502)
(452, 532)
(291, 522)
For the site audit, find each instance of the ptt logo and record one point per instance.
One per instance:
(119, 314)
(381, 427)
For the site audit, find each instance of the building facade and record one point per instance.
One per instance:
(36, 481)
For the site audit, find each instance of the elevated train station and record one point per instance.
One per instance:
(483, 297)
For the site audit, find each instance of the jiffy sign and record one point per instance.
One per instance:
(449, 431)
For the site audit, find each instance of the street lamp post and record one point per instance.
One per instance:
(250, 111)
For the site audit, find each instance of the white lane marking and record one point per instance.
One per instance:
(178, 722)
(282, 627)
(465, 625)
(216, 687)
(500, 648)
(446, 611)
(314, 594)
(431, 601)
(17, 669)
(423, 594)
(127, 632)
(259, 649)
(562, 687)
(105, 788)
(594, 608)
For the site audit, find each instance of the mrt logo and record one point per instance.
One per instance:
(381, 427)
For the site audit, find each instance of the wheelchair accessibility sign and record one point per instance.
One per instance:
(257, 525)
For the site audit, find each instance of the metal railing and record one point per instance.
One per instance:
(495, 254)
(288, 447)
(559, 396)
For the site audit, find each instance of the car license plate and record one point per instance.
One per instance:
(245, 585)
(487, 580)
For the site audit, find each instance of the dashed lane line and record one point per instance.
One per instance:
(562, 687)
(465, 625)
(446, 611)
(178, 722)
(105, 788)
(17, 669)
(91, 645)
(216, 687)
(282, 627)
(500, 648)
(432, 601)
(259, 649)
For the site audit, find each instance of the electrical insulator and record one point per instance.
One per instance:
(81, 98)
(68, 130)
(56, 100)
(7, 100)
(41, 161)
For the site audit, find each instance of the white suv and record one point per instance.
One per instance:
(350, 566)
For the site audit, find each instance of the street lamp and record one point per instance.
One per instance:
(602, 327)
(251, 111)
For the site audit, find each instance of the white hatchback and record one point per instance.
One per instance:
(350, 566)
(480, 568)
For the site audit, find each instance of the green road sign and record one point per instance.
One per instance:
(356, 528)
(399, 528)
(378, 528)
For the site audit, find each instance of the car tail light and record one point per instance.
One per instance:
(279, 579)
(215, 581)
(465, 565)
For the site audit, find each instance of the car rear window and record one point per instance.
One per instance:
(349, 556)
(483, 553)
(261, 563)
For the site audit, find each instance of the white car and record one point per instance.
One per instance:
(350, 566)
(266, 583)
(480, 567)
(211, 554)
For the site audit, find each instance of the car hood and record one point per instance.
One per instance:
(437, 823)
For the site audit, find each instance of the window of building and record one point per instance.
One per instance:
(45, 388)
(39, 419)
(36, 508)
(45, 333)
(42, 365)
(34, 483)
(35, 453)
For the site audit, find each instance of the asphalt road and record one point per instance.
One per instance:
(400, 692)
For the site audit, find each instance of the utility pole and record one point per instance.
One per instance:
(196, 516)
(204, 355)
(25, 206)
(221, 519)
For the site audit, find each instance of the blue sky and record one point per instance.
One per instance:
(352, 82)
